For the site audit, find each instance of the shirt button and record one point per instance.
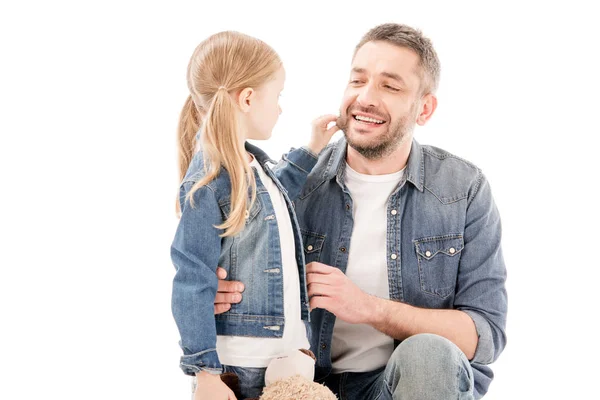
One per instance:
(348, 207)
(394, 212)
(343, 249)
(394, 256)
(427, 253)
(452, 250)
(323, 346)
(309, 247)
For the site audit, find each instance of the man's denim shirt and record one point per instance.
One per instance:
(252, 256)
(443, 244)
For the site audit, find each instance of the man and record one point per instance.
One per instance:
(402, 241)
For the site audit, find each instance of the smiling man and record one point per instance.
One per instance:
(405, 271)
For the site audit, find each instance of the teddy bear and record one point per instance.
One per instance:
(288, 377)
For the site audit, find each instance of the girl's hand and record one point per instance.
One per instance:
(211, 387)
(320, 134)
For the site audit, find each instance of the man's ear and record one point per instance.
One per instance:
(428, 106)
(245, 99)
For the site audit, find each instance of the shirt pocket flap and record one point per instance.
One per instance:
(312, 242)
(450, 245)
(250, 215)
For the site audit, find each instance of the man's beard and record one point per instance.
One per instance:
(385, 143)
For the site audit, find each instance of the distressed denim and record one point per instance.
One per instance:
(253, 256)
(443, 245)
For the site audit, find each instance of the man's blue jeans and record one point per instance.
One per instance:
(422, 367)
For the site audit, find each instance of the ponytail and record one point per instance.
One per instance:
(189, 123)
(222, 146)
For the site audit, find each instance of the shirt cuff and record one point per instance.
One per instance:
(206, 360)
(302, 158)
(484, 354)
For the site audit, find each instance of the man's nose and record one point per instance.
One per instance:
(368, 96)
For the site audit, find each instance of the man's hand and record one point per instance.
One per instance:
(228, 292)
(330, 289)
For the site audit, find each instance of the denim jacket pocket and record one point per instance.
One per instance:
(313, 244)
(225, 206)
(438, 258)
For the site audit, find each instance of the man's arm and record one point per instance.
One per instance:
(330, 289)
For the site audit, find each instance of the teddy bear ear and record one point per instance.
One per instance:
(309, 353)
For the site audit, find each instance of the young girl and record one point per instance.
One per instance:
(237, 213)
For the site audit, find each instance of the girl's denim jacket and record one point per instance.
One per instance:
(252, 257)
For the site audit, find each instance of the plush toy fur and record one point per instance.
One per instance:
(296, 388)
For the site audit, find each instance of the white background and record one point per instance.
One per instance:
(90, 94)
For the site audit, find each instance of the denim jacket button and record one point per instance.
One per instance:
(427, 253)
(394, 212)
(394, 256)
(309, 247)
(452, 250)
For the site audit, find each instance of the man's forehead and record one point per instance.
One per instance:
(386, 59)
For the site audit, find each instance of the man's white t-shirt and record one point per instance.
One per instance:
(360, 347)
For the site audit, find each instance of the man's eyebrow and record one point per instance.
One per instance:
(359, 70)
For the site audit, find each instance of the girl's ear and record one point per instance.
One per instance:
(245, 99)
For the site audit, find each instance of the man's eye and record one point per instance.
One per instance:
(392, 88)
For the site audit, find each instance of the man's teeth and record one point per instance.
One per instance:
(367, 119)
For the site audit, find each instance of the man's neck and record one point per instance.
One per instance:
(389, 164)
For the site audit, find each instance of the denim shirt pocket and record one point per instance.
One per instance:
(313, 244)
(438, 259)
(225, 206)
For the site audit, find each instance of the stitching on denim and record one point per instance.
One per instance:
(309, 153)
(447, 200)
(440, 237)
(295, 165)
(445, 155)
(308, 192)
(476, 189)
(416, 242)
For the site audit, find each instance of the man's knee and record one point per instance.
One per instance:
(427, 353)
(428, 363)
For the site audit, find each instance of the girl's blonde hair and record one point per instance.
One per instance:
(221, 66)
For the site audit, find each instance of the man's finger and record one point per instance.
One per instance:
(228, 298)
(318, 268)
(221, 273)
(321, 302)
(312, 277)
(230, 286)
(221, 308)
(319, 289)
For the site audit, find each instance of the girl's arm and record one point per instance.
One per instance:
(195, 253)
(294, 167)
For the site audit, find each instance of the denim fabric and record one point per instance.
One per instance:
(423, 367)
(443, 244)
(252, 257)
